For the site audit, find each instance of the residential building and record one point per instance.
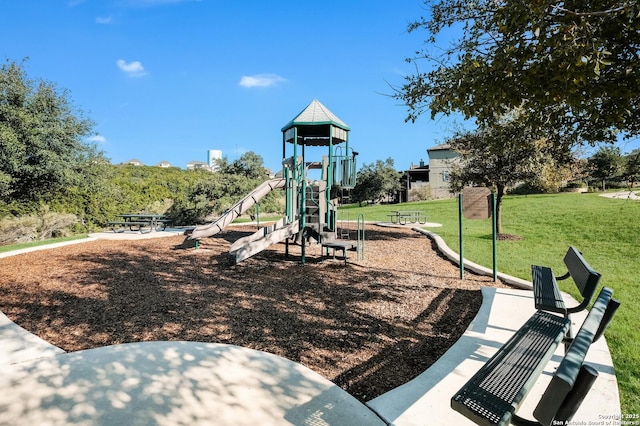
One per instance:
(192, 165)
(441, 160)
(413, 182)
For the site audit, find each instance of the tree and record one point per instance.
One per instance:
(501, 156)
(376, 181)
(605, 164)
(41, 137)
(570, 66)
(250, 165)
(632, 168)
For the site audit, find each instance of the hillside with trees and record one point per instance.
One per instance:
(54, 183)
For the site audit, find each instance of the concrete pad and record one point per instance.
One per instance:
(173, 383)
(18, 345)
(426, 399)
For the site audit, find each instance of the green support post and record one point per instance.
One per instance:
(461, 238)
(495, 236)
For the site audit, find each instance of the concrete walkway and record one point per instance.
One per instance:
(204, 383)
(426, 399)
(173, 383)
(622, 195)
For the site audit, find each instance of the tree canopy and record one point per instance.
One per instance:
(376, 181)
(250, 165)
(502, 155)
(631, 171)
(606, 163)
(571, 66)
(41, 137)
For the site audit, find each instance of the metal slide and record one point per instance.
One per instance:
(240, 207)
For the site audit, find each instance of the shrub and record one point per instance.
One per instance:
(15, 230)
(420, 193)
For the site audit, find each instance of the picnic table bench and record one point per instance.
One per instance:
(493, 395)
(402, 216)
(140, 222)
(546, 293)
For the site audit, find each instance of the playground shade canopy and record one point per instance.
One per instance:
(315, 125)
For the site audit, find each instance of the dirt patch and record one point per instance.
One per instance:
(369, 326)
(508, 237)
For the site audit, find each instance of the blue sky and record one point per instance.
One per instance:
(170, 79)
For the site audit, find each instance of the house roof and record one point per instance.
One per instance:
(314, 125)
(133, 161)
(441, 147)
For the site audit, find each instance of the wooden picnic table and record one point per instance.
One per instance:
(402, 216)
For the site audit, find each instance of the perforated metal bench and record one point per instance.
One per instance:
(546, 293)
(493, 395)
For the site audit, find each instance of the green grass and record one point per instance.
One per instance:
(605, 230)
(13, 247)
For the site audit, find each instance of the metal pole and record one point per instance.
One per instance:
(495, 237)
(460, 235)
(360, 237)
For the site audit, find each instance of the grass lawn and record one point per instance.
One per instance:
(605, 230)
(12, 247)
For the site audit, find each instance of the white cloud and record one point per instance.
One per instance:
(260, 80)
(103, 20)
(133, 69)
(97, 139)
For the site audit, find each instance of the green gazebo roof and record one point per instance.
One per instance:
(315, 124)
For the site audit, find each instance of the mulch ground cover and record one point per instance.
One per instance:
(368, 326)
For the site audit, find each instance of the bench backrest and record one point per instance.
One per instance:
(585, 277)
(561, 387)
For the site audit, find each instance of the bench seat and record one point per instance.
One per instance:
(493, 395)
(497, 389)
(546, 292)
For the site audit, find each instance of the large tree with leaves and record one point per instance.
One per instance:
(42, 148)
(606, 163)
(631, 172)
(571, 66)
(376, 181)
(502, 155)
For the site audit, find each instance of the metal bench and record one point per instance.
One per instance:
(546, 293)
(493, 395)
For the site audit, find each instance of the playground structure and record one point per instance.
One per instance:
(310, 205)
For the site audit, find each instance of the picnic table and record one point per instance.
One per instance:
(402, 216)
(143, 222)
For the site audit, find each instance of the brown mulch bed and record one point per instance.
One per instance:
(369, 326)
